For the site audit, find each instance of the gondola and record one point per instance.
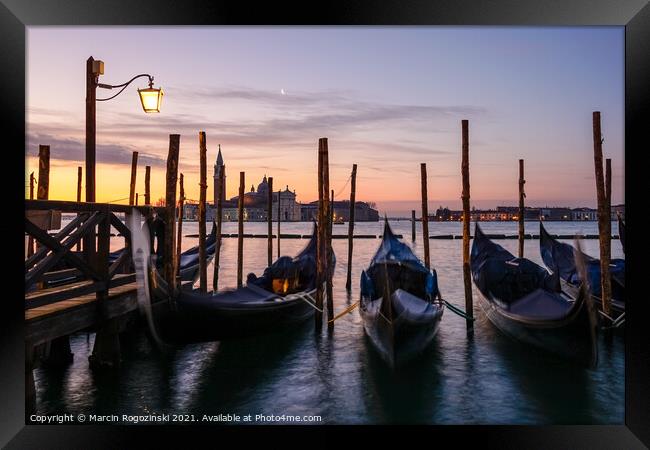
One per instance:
(527, 303)
(401, 328)
(559, 257)
(282, 297)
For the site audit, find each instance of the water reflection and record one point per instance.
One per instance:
(481, 378)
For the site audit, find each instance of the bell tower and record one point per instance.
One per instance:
(219, 167)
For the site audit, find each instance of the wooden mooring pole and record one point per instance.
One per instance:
(134, 174)
(79, 177)
(328, 211)
(179, 235)
(217, 250)
(269, 210)
(240, 235)
(170, 206)
(203, 186)
(43, 189)
(425, 215)
(413, 225)
(30, 240)
(147, 185)
(604, 216)
(60, 353)
(320, 240)
(353, 189)
(467, 280)
(522, 195)
(279, 218)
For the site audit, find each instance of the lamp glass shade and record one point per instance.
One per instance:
(151, 99)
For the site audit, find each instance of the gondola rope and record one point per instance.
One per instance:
(344, 312)
(457, 310)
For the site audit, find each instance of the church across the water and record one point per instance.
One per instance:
(256, 203)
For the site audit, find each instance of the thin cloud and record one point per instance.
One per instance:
(68, 149)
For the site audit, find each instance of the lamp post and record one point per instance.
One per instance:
(150, 99)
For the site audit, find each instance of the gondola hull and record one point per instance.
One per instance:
(572, 338)
(559, 257)
(527, 303)
(212, 321)
(278, 301)
(403, 339)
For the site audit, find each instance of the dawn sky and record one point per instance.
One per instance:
(387, 98)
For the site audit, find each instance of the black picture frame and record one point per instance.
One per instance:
(15, 15)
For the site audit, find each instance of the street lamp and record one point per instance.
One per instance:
(150, 99)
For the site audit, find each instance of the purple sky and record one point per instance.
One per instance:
(387, 98)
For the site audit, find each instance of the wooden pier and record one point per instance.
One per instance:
(68, 291)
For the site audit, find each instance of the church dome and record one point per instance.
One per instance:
(263, 186)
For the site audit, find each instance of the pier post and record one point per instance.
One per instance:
(327, 234)
(134, 174)
(467, 280)
(179, 235)
(330, 271)
(43, 190)
(147, 185)
(279, 218)
(240, 228)
(425, 215)
(170, 206)
(106, 350)
(217, 249)
(522, 195)
(413, 225)
(269, 210)
(203, 186)
(136, 198)
(79, 177)
(353, 189)
(320, 239)
(30, 240)
(604, 216)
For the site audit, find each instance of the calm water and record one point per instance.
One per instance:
(481, 379)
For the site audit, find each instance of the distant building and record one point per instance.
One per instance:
(507, 213)
(363, 212)
(219, 167)
(578, 214)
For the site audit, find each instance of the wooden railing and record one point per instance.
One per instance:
(88, 271)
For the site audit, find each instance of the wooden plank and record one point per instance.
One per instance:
(64, 318)
(70, 291)
(61, 274)
(43, 251)
(59, 251)
(70, 206)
